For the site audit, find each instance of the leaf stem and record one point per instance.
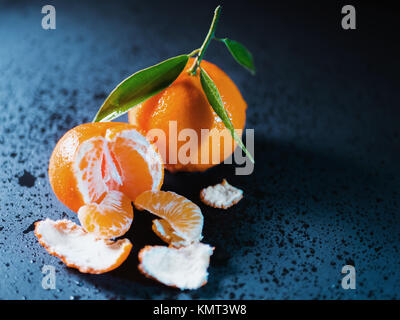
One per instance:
(194, 52)
(218, 39)
(209, 37)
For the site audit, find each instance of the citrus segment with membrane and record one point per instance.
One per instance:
(183, 216)
(140, 163)
(110, 219)
(88, 169)
(164, 230)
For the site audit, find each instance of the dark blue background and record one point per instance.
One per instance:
(325, 108)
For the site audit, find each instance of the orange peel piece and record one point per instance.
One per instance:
(110, 219)
(221, 196)
(182, 218)
(183, 268)
(80, 249)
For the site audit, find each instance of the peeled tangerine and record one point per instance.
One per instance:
(95, 158)
(184, 268)
(96, 170)
(80, 249)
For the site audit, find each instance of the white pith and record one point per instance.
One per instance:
(90, 181)
(184, 268)
(77, 247)
(112, 172)
(221, 195)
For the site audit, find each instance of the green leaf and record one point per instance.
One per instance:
(241, 54)
(214, 98)
(140, 86)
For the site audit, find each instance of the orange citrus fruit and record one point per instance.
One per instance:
(110, 219)
(93, 159)
(185, 102)
(182, 219)
(80, 249)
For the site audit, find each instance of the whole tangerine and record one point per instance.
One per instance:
(185, 104)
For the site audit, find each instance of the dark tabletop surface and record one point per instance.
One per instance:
(325, 108)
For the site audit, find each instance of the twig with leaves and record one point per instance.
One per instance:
(148, 82)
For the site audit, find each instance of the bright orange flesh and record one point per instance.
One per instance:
(185, 102)
(110, 219)
(134, 176)
(182, 219)
(119, 162)
(166, 233)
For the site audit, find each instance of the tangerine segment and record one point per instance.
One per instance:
(183, 268)
(182, 215)
(110, 219)
(163, 229)
(89, 161)
(88, 168)
(79, 249)
(132, 152)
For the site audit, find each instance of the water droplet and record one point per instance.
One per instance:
(79, 283)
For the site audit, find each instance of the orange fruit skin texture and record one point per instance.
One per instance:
(185, 102)
(61, 175)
